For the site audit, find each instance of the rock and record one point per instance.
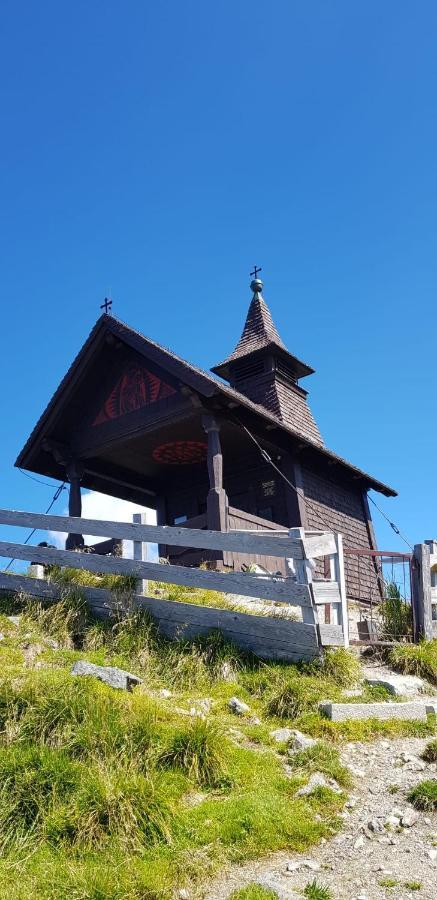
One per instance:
(115, 678)
(410, 762)
(351, 802)
(376, 826)
(392, 822)
(15, 620)
(165, 694)
(432, 854)
(282, 735)
(303, 864)
(352, 692)
(183, 894)
(341, 712)
(300, 741)
(318, 780)
(409, 818)
(238, 706)
(2, 637)
(399, 685)
(359, 842)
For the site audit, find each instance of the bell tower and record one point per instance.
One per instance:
(264, 370)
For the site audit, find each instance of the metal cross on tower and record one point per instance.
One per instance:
(106, 305)
(255, 271)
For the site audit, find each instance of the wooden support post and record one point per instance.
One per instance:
(74, 475)
(141, 552)
(421, 599)
(216, 501)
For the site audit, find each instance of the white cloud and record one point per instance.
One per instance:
(101, 506)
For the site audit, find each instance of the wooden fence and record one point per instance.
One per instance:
(268, 636)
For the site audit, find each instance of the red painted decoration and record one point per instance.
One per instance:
(136, 388)
(180, 453)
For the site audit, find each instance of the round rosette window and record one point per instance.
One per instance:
(180, 453)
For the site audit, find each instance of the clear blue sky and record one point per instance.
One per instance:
(157, 151)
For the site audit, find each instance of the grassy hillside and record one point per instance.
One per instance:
(107, 794)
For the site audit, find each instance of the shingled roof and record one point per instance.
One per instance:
(201, 381)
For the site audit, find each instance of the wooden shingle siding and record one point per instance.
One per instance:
(341, 508)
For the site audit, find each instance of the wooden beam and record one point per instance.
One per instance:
(266, 587)
(268, 543)
(216, 501)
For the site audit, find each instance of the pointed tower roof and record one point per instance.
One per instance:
(260, 333)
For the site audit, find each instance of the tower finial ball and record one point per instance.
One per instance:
(256, 285)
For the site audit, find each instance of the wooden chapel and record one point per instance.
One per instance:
(132, 419)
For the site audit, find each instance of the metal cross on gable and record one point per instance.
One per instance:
(256, 269)
(106, 305)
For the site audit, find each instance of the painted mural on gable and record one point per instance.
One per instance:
(137, 387)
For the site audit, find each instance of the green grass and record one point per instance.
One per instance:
(105, 794)
(413, 885)
(424, 795)
(416, 659)
(315, 891)
(253, 892)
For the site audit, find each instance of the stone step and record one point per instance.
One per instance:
(340, 712)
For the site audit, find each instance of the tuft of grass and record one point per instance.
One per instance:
(342, 666)
(388, 882)
(430, 752)
(253, 891)
(201, 751)
(315, 891)
(416, 659)
(413, 885)
(424, 795)
(323, 758)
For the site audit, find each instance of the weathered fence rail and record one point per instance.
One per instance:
(271, 637)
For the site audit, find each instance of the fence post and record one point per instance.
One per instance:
(421, 593)
(342, 614)
(303, 569)
(141, 551)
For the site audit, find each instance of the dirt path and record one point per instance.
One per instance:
(368, 851)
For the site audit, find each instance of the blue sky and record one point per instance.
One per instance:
(157, 151)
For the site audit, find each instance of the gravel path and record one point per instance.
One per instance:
(355, 862)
